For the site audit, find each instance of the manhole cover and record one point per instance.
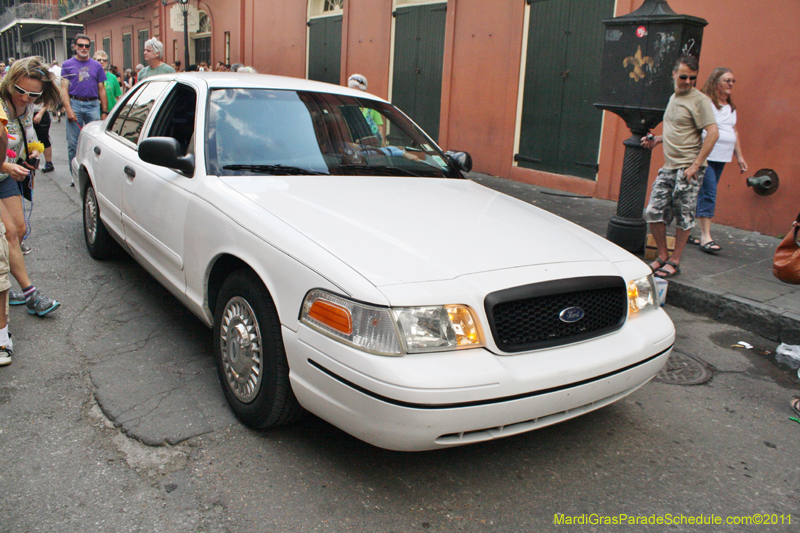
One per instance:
(683, 370)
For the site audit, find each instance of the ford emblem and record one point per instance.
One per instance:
(571, 314)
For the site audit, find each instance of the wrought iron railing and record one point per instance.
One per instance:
(33, 10)
(70, 6)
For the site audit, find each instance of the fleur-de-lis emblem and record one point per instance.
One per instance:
(637, 61)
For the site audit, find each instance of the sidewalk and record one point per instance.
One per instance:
(735, 286)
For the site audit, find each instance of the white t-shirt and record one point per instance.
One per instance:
(725, 145)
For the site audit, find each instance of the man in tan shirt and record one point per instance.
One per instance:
(674, 194)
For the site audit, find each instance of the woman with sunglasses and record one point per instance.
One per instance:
(718, 87)
(27, 81)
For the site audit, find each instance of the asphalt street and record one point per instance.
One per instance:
(112, 419)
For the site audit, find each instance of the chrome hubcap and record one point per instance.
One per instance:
(240, 342)
(90, 215)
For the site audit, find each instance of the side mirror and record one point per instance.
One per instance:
(166, 152)
(461, 160)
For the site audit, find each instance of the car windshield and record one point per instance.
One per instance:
(263, 131)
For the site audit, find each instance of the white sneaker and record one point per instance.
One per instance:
(5, 355)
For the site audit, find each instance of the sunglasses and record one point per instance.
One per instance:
(685, 77)
(78, 45)
(23, 92)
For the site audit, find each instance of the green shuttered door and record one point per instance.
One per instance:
(325, 49)
(418, 58)
(560, 130)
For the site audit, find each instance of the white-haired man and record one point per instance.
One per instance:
(153, 52)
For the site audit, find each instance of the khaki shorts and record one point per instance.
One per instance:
(674, 197)
(5, 283)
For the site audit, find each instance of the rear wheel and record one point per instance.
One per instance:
(98, 241)
(251, 360)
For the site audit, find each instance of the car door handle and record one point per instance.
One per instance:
(97, 150)
(130, 172)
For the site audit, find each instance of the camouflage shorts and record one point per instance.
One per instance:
(674, 197)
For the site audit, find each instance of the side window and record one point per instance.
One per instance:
(133, 114)
(176, 117)
(122, 111)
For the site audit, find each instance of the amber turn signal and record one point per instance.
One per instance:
(332, 315)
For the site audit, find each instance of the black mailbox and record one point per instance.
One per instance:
(640, 51)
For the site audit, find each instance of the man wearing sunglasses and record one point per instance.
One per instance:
(674, 193)
(83, 92)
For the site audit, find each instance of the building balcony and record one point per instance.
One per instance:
(27, 12)
(82, 11)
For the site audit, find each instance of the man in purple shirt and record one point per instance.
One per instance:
(83, 92)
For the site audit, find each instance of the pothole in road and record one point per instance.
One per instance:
(147, 460)
(682, 369)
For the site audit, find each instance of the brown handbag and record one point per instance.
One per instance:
(786, 265)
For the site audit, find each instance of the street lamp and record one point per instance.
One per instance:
(184, 6)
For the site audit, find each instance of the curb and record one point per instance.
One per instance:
(749, 315)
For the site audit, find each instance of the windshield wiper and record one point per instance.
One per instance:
(380, 169)
(277, 169)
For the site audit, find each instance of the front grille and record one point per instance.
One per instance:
(529, 317)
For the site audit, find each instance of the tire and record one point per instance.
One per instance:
(98, 241)
(249, 352)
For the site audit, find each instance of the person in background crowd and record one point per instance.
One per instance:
(56, 70)
(136, 72)
(203, 67)
(248, 70)
(2, 70)
(83, 92)
(115, 71)
(374, 118)
(236, 66)
(718, 87)
(153, 52)
(128, 80)
(26, 82)
(112, 88)
(177, 66)
(674, 193)
(41, 125)
(222, 67)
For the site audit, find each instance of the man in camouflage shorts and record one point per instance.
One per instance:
(674, 194)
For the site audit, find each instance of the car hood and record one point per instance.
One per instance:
(395, 230)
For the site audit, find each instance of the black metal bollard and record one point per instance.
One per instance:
(627, 228)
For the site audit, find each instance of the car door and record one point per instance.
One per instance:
(155, 199)
(116, 149)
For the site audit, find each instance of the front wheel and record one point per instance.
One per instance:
(251, 360)
(98, 241)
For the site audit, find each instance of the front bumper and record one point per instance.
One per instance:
(431, 401)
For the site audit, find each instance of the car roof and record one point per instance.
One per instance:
(225, 80)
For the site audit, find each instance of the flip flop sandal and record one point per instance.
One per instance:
(710, 247)
(664, 274)
(692, 240)
(660, 264)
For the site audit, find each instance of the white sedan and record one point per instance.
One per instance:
(349, 269)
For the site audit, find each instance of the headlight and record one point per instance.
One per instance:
(642, 294)
(363, 326)
(436, 328)
(386, 331)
